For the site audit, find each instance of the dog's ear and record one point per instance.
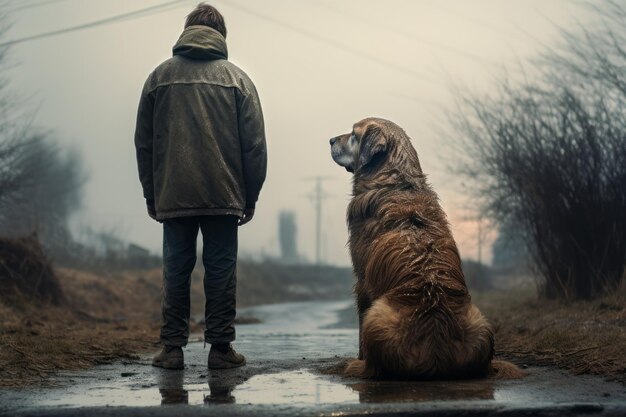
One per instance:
(373, 143)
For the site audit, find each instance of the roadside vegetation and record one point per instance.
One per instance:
(547, 158)
(585, 336)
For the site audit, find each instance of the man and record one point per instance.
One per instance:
(202, 161)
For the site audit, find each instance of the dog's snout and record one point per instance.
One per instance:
(332, 141)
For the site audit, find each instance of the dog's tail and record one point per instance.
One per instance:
(399, 343)
(505, 370)
(409, 342)
(380, 332)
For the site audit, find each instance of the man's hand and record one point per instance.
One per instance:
(248, 214)
(151, 210)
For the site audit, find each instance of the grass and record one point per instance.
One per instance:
(582, 336)
(99, 324)
(33, 349)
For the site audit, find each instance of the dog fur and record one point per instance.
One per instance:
(416, 318)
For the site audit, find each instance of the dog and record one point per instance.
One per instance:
(416, 318)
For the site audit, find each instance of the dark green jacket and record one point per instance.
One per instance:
(200, 137)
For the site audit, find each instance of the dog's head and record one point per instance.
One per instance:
(369, 144)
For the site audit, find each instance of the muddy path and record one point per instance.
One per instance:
(286, 353)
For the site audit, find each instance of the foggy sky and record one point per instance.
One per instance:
(319, 66)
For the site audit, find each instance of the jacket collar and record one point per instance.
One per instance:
(201, 42)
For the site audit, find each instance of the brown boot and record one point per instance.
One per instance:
(171, 357)
(225, 357)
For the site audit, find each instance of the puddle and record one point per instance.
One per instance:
(293, 388)
(302, 388)
(422, 391)
(296, 388)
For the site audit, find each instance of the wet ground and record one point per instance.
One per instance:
(286, 353)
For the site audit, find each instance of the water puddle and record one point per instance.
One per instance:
(293, 388)
(422, 391)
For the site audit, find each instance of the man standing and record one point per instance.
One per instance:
(202, 161)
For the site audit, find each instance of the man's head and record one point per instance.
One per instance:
(206, 15)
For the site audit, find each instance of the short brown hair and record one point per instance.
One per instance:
(206, 15)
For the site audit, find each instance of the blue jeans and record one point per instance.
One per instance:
(219, 256)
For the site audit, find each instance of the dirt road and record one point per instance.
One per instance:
(286, 353)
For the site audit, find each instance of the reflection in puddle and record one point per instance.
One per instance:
(305, 388)
(296, 387)
(293, 388)
(174, 396)
(420, 391)
(171, 387)
(219, 395)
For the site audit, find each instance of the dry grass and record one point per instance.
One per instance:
(582, 336)
(37, 343)
(99, 324)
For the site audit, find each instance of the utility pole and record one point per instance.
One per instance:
(480, 240)
(317, 197)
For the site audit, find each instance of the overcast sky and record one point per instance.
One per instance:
(319, 66)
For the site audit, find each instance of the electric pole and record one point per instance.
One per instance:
(480, 240)
(317, 197)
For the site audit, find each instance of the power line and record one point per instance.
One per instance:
(112, 19)
(162, 7)
(33, 4)
(405, 33)
(481, 22)
(165, 8)
(334, 43)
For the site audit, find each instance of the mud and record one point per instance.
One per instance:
(286, 353)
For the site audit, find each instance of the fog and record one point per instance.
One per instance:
(319, 66)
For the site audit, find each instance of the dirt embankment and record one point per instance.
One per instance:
(582, 336)
(64, 319)
(95, 324)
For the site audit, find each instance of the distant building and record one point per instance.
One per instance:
(288, 237)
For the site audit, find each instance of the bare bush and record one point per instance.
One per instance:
(26, 272)
(50, 193)
(40, 188)
(550, 157)
(15, 176)
(40, 184)
(105, 250)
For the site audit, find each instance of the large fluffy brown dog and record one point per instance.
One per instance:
(415, 312)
